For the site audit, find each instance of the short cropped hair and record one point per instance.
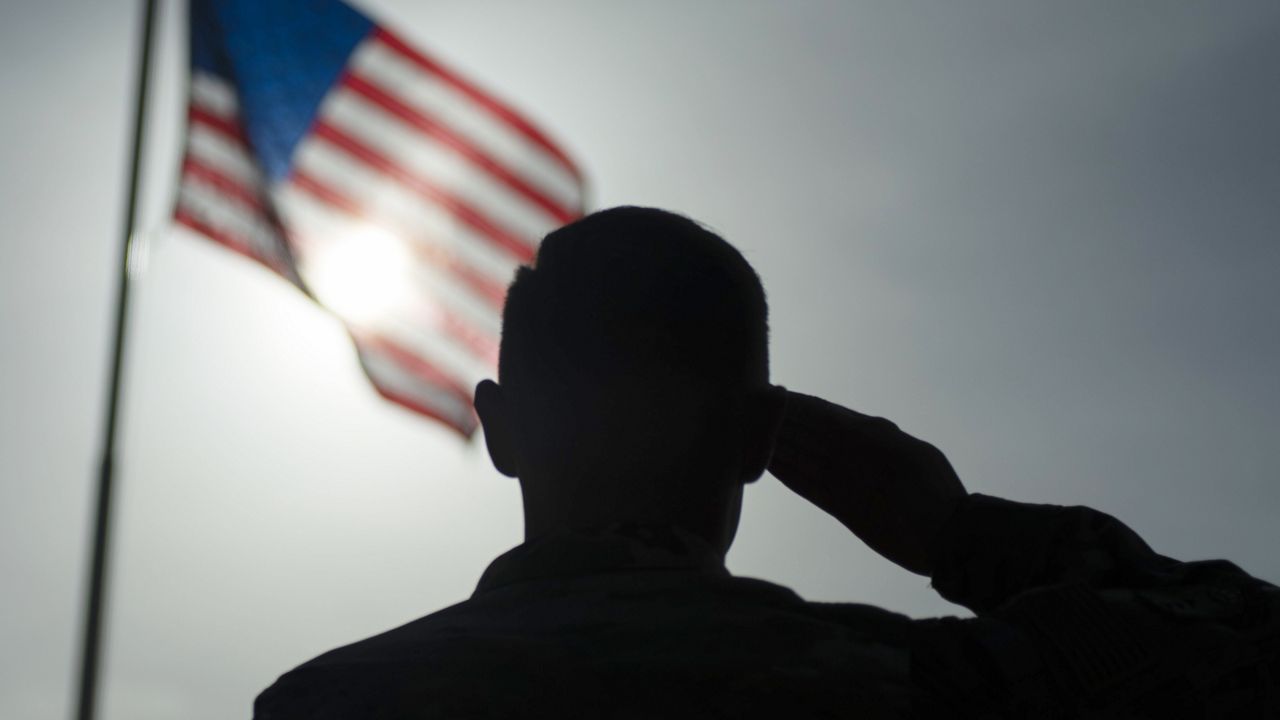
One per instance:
(629, 297)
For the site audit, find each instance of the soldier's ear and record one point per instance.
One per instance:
(495, 416)
(763, 418)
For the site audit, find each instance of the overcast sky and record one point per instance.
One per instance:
(1043, 236)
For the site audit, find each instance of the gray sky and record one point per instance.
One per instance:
(1042, 236)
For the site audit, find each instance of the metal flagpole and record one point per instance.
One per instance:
(91, 650)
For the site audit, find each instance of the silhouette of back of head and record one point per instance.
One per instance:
(633, 354)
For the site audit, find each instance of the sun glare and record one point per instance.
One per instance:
(363, 275)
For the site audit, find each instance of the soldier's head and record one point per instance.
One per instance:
(634, 377)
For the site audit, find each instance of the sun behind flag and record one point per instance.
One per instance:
(396, 193)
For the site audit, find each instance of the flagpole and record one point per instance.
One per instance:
(91, 650)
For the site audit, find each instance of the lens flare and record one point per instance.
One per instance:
(363, 275)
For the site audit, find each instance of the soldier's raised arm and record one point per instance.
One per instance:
(1076, 615)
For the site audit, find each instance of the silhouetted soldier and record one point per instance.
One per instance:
(634, 406)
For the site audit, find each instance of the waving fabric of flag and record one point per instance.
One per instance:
(395, 192)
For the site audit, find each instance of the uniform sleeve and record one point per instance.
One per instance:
(1078, 617)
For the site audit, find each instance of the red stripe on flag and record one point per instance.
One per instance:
(414, 405)
(421, 122)
(224, 184)
(229, 128)
(412, 363)
(229, 240)
(492, 292)
(479, 343)
(522, 250)
(443, 321)
(325, 193)
(494, 106)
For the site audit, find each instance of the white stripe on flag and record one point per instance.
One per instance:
(314, 224)
(428, 94)
(436, 163)
(386, 200)
(227, 215)
(211, 93)
(223, 154)
(398, 382)
(424, 338)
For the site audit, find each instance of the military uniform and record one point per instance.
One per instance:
(1076, 617)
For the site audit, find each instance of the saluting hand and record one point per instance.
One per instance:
(894, 491)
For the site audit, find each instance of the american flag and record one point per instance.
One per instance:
(395, 192)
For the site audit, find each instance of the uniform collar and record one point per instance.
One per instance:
(614, 548)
